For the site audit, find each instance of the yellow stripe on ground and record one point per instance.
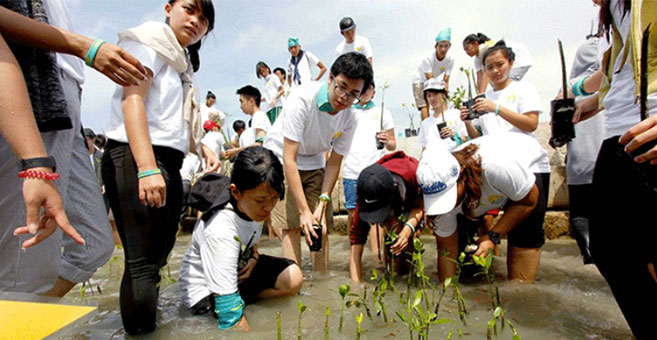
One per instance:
(30, 320)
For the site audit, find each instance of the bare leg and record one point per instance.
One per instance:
(288, 283)
(447, 246)
(60, 288)
(115, 233)
(291, 244)
(522, 263)
(374, 244)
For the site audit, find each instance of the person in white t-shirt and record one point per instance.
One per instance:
(479, 176)
(475, 45)
(148, 139)
(373, 134)
(452, 131)
(208, 111)
(273, 91)
(212, 146)
(314, 116)
(250, 105)
(437, 65)
(510, 105)
(299, 66)
(222, 270)
(282, 75)
(352, 42)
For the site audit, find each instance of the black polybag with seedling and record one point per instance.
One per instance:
(562, 112)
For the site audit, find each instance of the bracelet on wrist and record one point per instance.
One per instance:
(38, 174)
(37, 162)
(410, 226)
(325, 198)
(93, 50)
(497, 109)
(146, 173)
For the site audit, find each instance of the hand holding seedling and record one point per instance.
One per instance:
(484, 105)
(307, 220)
(383, 137)
(447, 132)
(401, 242)
(485, 244)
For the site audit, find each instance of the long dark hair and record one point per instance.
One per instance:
(606, 18)
(208, 12)
(470, 175)
(476, 37)
(256, 165)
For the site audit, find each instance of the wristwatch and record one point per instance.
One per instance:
(494, 237)
(37, 162)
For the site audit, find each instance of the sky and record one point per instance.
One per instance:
(401, 32)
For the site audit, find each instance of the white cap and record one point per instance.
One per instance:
(434, 84)
(438, 174)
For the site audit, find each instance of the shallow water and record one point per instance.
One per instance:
(568, 301)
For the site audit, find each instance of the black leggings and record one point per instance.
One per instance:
(623, 230)
(148, 234)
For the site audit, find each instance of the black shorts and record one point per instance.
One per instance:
(529, 233)
(263, 276)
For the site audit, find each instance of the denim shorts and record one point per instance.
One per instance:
(349, 193)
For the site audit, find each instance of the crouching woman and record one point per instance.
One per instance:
(222, 271)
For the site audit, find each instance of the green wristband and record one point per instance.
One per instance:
(410, 226)
(324, 198)
(93, 50)
(147, 173)
(497, 110)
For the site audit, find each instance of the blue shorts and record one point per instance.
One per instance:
(349, 193)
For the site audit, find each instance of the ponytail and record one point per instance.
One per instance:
(470, 175)
(478, 38)
(606, 17)
(194, 55)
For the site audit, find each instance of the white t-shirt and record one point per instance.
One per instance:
(164, 113)
(429, 134)
(506, 175)
(431, 64)
(215, 141)
(304, 66)
(621, 113)
(207, 111)
(260, 121)
(519, 96)
(210, 263)
(522, 56)
(248, 137)
(361, 45)
(272, 83)
(58, 16)
(302, 121)
(363, 152)
(190, 166)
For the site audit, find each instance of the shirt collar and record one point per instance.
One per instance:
(364, 107)
(323, 99)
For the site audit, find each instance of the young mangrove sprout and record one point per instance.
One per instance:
(278, 326)
(302, 308)
(343, 290)
(326, 323)
(359, 320)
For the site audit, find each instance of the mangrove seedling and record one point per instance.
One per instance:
(343, 290)
(278, 326)
(359, 320)
(359, 302)
(302, 308)
(378, 295)
(326, 324)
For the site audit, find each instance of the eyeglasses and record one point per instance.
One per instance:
(342, 92)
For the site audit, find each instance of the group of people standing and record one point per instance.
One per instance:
(476, 159)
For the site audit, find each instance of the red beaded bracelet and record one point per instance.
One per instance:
(38, 174)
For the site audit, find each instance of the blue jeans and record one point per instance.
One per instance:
(350, 193)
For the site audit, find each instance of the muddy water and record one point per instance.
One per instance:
(568, 301)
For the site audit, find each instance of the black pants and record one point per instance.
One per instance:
(148, 234)
(581, 209)
(623, 231)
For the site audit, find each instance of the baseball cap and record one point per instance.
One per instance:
(209, 124)
(346, 24)
(375, 190)
(89, 133)
(292, 41)
(438, 174)
(434, 84)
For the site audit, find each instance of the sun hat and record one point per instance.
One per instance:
(438, 174)
(434, 84)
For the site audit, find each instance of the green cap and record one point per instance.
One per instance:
(292, 41)
(444, 35)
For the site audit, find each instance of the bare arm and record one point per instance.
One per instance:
(322, 70)
(355, 268)
(19, 129)
(112, 61)
(306, 218)
(525, 121)
(330, 177)
(446, 79)
(482, 82)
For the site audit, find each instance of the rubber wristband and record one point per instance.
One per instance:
(497, 109)
(38, 174)
(324, 198)
(582, 90)
(37, 162)
(147, 173)
(410, 226)
(93, 50)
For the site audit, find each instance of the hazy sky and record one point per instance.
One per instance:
(401, 34)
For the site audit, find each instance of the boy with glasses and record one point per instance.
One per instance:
(313, 116)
